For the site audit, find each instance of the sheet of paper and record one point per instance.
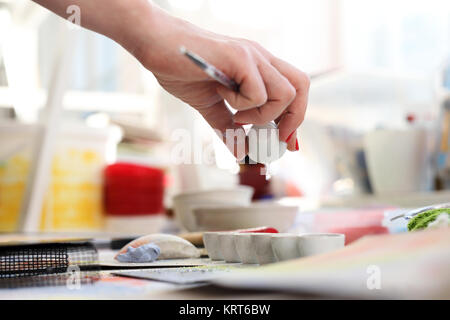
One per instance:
(405, 266)
(185, 275)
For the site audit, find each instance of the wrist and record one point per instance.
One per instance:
(133, 30)
(155, 39)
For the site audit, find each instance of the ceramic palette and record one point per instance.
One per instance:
(263, 248)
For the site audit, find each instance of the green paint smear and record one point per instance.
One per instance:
(422, 220)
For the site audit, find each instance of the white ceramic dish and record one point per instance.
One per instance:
(278, 216)
(212, 245)
(317, 243)
(185, 203)
(263, 247)
(284, 246)
(227, 247)
(245, 248)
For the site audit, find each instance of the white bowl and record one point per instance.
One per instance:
(212, 245)
(263, 247)
(184, 203)
(284, 246)
(245, 248)
(255, 215)
(316, 243)
(227, 247)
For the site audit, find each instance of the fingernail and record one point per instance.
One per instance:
(296, 145)
(240, 124)
(288, 138)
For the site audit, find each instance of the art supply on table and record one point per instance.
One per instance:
(264, 144)
(184, 275)
(263, 248)
(148, 252)
(408, 215)
(412, 265)
(22, 260)
(185, 203)
(47, 264)
(231, 217)
(210, 70)
(435, 218)
(168, 247)
(134, 198)
(73, 200)
(214, 246)
(132, 189)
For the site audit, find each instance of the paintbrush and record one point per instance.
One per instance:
(210, 70)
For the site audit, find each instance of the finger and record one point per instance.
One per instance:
(292, 142)
(233, 135)
(280, 93)
(252, 91)
(294, 114)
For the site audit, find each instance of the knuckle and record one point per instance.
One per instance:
(260, 98)
(241, 51)
(300, 80)
(288, 93)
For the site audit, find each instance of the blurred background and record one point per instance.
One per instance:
(376, 130)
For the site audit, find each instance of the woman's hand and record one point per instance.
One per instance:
(269, 88)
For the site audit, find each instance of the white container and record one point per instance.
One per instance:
(138, 224)
(264, 145)
(185, 203)
(280, 217)
(398, 160)
(74, 200)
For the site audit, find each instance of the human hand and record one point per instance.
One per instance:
(269, 88)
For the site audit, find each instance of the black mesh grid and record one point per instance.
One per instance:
(44, 263)
(44, 280)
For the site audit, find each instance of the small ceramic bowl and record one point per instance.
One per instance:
(284, 246)
(185, 203)
(227, 247)
(317, 243)
(245, 248)
(263, 247)
(212, 245)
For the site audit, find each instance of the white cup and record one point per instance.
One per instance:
(398, 160)
(317, 243)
